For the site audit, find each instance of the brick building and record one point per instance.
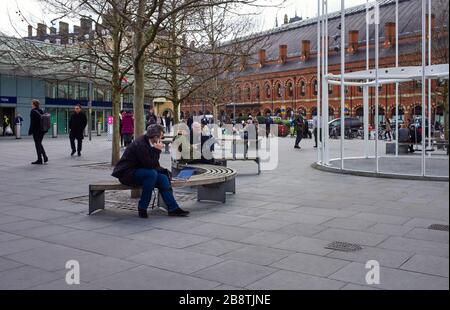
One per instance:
(282, 78)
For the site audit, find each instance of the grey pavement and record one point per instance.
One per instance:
(273, 234)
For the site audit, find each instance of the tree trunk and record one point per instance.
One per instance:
(139, 90)
(115, 154)
(176, 112)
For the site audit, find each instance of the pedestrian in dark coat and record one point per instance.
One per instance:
(77, 124)
(127, 128)
(299, 126)
(36, 130)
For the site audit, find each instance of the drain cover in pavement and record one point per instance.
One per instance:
(438, 227)
(343, 246)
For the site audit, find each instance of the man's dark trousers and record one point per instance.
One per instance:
(79, 143)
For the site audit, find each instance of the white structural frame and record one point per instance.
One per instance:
(372, 78)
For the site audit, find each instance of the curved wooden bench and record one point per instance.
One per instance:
(212, 182)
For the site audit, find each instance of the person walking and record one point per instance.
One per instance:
(169, 121)
(151, 117)
(18, 120)
(315, 132)
(268, 121)
(139, 166)
(77, 123)
(37, 132)
(127, 128)
(299, 126)
(6, 124)
(388, 131)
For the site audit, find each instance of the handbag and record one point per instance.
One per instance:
(9, 131)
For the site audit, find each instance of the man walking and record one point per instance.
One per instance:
(37, 132)
(299, 126)
(77, 123)
(268, 121)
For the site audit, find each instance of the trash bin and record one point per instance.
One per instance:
(18, 128)
(99, 129)
(54, 131)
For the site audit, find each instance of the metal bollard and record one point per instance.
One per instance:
(18, 134)
(55, 131)
(99, 129)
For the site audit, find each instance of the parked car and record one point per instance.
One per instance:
(352, 125)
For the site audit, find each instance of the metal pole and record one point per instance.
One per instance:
(325, 111)
(396, 84)
(377, 43)
(366, 89)
(424, 3)
(319, 128)
(90, 92)
(429, 80)
(342, 80)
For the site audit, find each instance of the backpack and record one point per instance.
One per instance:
(45, 122)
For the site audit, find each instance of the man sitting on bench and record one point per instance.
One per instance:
(139, 166)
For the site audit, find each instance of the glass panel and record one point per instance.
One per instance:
(63, 90)
(62, 120)
(83, 91)
(51, 89)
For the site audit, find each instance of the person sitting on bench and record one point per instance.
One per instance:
(404, 136)
(139, 166)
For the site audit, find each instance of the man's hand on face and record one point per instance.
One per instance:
(158, 145)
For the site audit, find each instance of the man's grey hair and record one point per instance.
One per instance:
(154, 130)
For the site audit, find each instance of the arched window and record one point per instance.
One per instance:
(279, 90)
(267, 89)
(315, 90)
(302, 88)
(330, 89)
(290, 90)
(248, 93)
(257, 92)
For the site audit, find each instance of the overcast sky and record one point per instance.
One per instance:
(11, 22)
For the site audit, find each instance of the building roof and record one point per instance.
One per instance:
(292, 34)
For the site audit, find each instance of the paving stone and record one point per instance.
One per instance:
(296, 217)
(235, 273)
(381, 218)
(150, 278)
(7, 236)
(311, 264)
(351, 236)
(416, 246)
(304, 245)
(349, 223)
(61, 284)
(22, 225)
(222, 231)
(433, 265)
(392, 279)
(285, 280)
(423, 223)
(306, 230)
(266, 238)
(43, 231)
(257, 255)
(428, 234)
(101, 244)
(225, 219)
(265, 224)
(175, 260)
(388, 258)
(19, 245)
(356, 287)
(24, 277)
(325, 212)
(169, 238)
(215, 247)
(6, 264)
(5, 219)
(389, 229)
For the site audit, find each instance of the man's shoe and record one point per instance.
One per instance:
(73, 153)
(143, 213)
(178, 212)
(45, 159)
(296, 147)
(37, 162)
(79, 154)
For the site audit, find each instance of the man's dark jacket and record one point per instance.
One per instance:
(35, 122)
(139, 154)
(77, 123)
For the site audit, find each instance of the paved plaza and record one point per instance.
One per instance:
(273, 234)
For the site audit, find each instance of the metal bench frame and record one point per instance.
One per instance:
(212, 182)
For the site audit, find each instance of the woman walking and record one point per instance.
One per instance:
(127, 128)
